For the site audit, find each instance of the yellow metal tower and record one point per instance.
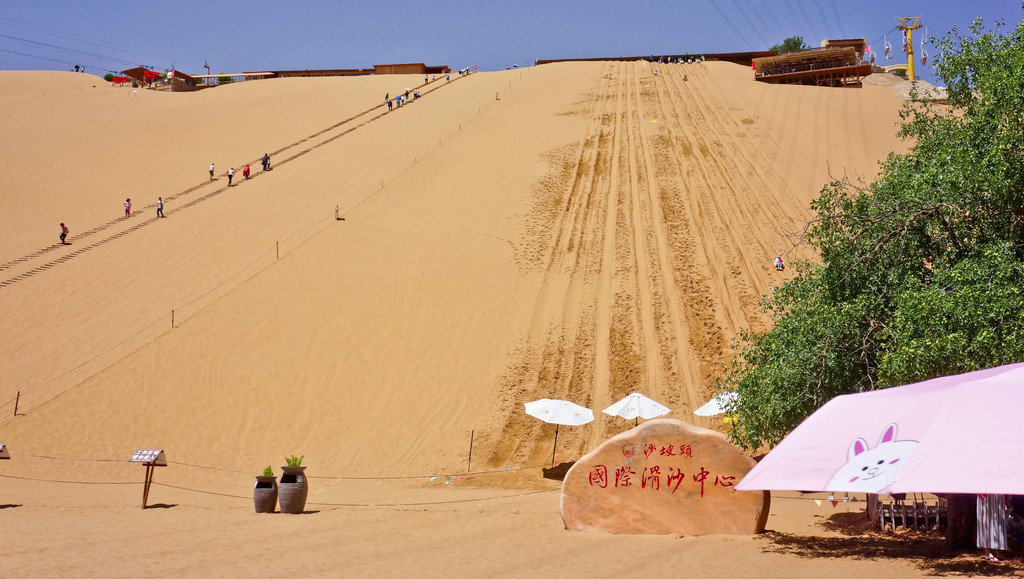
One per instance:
(909, 24)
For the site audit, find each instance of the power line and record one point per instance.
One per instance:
(84, 39)
(828, 29)
(792, 13)
(773, 17)
(751, 24)
(760, 19)
(55, 47)
(730, 23)
(839, 20)
(806, 22)
(40, 57)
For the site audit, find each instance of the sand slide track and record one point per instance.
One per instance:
(723, 240)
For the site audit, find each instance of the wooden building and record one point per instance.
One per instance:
(180, 82)
(857, 44)
(409, 68)
(829, 66)
(744, 58)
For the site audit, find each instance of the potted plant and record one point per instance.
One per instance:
(264, 494)
(293, 487)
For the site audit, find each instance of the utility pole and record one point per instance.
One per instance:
(908, 24)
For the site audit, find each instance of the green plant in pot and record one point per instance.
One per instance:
(264, 494)
(293, 486)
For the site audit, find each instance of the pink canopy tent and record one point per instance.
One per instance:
(955, 434)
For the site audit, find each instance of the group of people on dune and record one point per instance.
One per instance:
(246, 172)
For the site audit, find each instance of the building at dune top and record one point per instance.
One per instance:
(830, 65)
(663, 477)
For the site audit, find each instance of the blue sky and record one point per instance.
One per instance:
(108, 35)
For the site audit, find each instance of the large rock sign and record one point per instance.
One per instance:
(663, 477)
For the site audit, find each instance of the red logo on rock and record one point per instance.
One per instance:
(628, 450)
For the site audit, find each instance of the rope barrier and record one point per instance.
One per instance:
(66, 458)
(419, 504)
(253, 473)
(76, 482)
(66, 372)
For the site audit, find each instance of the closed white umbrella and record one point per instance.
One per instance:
(636, 406)
(717, 405)
(558, 412)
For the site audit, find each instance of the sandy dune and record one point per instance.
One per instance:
(576, 230)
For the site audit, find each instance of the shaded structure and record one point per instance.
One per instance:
(400, 68)
(857, 44)
(141, 75)
(828, 66)
(180, 82)
(743, 58)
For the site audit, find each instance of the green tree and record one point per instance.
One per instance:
(109, 77)
(921, 273)
(225, 79)
(790, 44)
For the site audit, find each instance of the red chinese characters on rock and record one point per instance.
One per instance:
(677, 476)
(725, 481)
(670, 450)
(651, 478)
(700, 478)
(622, 475)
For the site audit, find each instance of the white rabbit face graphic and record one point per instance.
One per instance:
(872, 470)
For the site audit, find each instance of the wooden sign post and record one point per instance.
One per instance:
(151, 459)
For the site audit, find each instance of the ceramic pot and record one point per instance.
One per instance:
(264, 494)
(292, 489)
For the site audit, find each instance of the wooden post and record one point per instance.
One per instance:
(553, 447)
(277, 250)
(469, 466)
(337, 216)
(872, 509)
(145, 488)
(172, 318)
(961, 518)
(16, 400)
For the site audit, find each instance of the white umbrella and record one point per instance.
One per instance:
(717, 405)
(558, 412)
(636, 406)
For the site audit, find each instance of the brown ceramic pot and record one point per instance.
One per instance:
(264, 494)
(293, 489)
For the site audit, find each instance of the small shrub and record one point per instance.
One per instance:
(109, 77)
(294, 460)
(268, 471)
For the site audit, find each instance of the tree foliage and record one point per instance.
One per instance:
(921, 274)
(790, 44)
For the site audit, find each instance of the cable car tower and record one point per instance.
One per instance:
(908, 24)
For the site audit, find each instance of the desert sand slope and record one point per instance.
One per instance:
(595, 231)
(576, 230)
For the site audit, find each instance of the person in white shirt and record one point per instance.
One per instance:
(231, 173)
(159, 206)
(211, 171)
